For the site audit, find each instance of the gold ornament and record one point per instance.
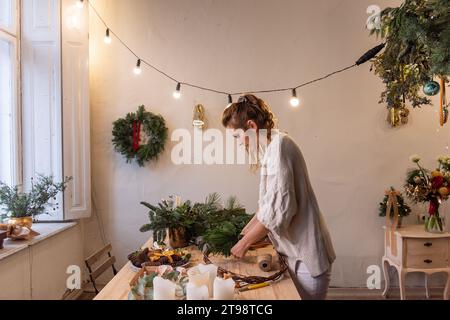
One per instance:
(398, 116)
(443, 105)
(199, 120)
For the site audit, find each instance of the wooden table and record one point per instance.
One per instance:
(119, 287)
(412, 249)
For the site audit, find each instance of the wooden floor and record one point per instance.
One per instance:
(366, 294)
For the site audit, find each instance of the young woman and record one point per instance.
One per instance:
(288, 210)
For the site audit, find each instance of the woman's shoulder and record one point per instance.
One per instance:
(285, 142)
(282, 150)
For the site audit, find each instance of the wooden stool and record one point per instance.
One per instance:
(94, 274)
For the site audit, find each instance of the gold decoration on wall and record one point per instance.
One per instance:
(398, 116)
(443, 105)
(199, 119)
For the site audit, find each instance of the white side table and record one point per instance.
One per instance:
(412, 249)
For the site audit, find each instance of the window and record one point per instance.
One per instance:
(38, 110)
(9, 92)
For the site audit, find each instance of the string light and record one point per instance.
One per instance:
(295, 102)
(137, 69)
(107, 37)
(177, 92)
(80, 4)
(230, 100)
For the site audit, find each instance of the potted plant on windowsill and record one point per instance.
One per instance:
(21, 207)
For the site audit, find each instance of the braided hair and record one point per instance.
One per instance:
(249, 107)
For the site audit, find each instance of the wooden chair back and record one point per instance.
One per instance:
(97, 267)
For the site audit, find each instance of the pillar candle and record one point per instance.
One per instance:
(197, 277)
(178, 202)
(224, 289)
(211, 270)
(163, 289)
(194, 292)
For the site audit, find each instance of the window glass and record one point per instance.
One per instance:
(6, 110)
(6, 14)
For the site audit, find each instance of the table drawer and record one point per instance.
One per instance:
(418, 247)
(426, 262)
(427, 253)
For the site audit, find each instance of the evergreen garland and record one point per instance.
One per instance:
(213, 227)
(417, 36)
(154, 127)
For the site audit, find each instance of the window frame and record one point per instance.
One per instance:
(12, 35)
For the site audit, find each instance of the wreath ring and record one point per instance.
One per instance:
(127, 136)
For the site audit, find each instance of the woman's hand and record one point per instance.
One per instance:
(240, 249)
(256, 233)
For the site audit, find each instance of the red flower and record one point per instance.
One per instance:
(437, 182)
(434, 207)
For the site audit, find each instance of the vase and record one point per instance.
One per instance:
(435, 224)
(178, 238)
(23, 222)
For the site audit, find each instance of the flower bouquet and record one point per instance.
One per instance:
(433, 187)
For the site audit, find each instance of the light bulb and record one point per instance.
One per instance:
(177, 92)
(80, 4)
(295, 102)
(107, 37)
(137, 69)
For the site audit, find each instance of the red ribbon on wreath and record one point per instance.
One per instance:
(136, 135)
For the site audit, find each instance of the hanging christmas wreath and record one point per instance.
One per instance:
(140, 136)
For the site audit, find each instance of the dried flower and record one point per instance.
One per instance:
(415, 158)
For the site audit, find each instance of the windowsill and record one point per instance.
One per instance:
(45, 230)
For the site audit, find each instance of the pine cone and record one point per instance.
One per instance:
(134, 259)
(151, 264)
(176, 258)
(178, 263)
(164, 260)
(139, 257)
(143, 256)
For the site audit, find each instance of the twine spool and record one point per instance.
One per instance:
(265, 262)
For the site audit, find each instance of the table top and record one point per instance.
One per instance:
(418, 231)
(284, 289)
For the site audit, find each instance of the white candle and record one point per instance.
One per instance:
(194, 292)
(178, 201)
(163, 289)
(211, 270)
(198, 278)
(224, 289)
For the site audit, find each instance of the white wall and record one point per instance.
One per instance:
(353, 156)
